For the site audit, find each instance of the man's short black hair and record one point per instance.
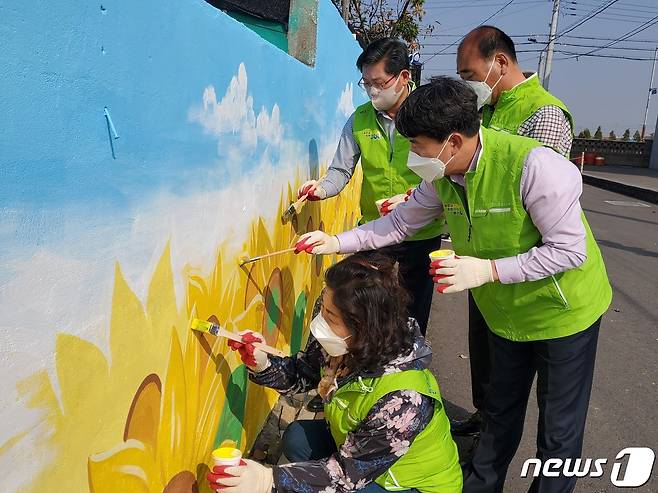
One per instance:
(392, 50)
(491, 40)
(437, 109)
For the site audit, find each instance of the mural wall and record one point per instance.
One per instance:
(146, 146)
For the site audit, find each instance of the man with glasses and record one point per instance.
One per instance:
(370, 135)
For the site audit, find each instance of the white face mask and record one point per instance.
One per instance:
(482, 89)
(429, 168)
(384, 99)
(333, 344)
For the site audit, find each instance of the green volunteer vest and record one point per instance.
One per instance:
(488, 221)
(520, 103)
(385, 171)
(431, 465)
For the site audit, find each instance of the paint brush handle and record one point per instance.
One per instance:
(267, 255)
(237, 338)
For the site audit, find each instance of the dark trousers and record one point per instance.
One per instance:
(564, 369)
(414, 264)
(478, 349)
(307, 440)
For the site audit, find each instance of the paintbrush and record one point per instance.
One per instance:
(216, 330)
(247, 260)
(296, 207)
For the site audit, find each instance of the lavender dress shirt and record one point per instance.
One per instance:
(550, 189)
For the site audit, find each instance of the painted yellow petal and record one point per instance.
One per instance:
(172, 433)
(128, 468)
(144, 414)
(161, 303)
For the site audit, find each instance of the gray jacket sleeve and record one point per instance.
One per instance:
(344, 162)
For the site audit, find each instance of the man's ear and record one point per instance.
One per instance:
(457, 141)
(503, 60)
(405, 76)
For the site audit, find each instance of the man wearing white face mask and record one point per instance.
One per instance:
(370, 135)
(486, 60)
(526, 252)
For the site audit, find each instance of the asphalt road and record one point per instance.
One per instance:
(624, 404)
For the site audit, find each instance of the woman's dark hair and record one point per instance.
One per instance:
(437, 109)
(392, 50)
(373, 305)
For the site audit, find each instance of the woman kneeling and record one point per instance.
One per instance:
(385, 428)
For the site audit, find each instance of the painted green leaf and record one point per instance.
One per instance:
(230, 422)
(297, 332)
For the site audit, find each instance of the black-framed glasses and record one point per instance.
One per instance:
(363, 85)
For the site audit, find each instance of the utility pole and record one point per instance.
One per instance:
(540, 66)
(346, 10)
(652, 91)
(551, 43)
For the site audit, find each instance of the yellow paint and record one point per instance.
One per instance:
(226, 453)
(439, 254)
(144, 419)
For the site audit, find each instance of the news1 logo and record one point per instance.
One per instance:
(638, 461)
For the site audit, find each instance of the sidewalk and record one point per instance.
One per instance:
(639, 183)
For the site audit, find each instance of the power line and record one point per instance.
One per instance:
(481, 23)
(593, 14)
(623, 37)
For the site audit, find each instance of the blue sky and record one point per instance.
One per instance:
(599, 91)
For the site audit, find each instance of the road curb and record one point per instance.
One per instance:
(643, 194)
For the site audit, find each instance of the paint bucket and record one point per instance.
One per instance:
(441, 255)
(227, 456)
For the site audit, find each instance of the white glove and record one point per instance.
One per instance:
(460, 273)
(317, 243)
(390, 204)
(251, 478)
(313, 190)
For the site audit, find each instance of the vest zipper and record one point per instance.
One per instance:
(559, 290)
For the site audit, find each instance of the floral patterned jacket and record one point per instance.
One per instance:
(382, 438)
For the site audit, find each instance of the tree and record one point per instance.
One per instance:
(627, 135)
(636, 136)
(373, 19)
(612, 135)
(585, 134)
(598, 134)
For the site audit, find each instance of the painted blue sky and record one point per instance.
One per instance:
(56, 147)
(600, 91)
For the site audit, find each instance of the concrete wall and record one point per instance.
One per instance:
(144, 147)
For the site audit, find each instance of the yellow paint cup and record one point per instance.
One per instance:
(442, 255)
(227, 456)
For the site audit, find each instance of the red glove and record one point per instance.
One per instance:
(310, 194)
(246, 348)
(218, 472)
(302, 246)
(435, 277)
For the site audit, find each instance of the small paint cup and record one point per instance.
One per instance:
(379, 203)
(441, 255)
(227, 456)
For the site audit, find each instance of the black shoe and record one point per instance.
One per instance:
(468, 458)
(315, 405)
(467, 427)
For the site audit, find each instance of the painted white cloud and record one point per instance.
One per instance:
(346, 101)
(235, 114)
